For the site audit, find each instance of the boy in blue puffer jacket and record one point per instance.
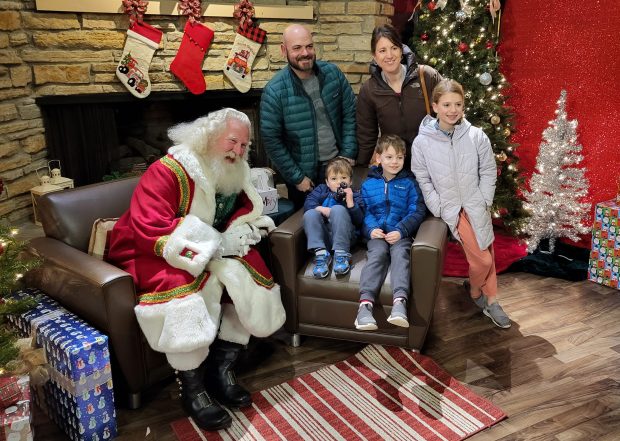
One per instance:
(394, 211)
(332, 214)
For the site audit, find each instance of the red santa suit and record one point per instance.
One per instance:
(167, 242)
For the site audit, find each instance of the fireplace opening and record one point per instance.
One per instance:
(106, 136)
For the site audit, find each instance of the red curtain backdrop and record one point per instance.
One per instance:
(550, 46)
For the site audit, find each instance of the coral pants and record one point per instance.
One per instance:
(481, 262)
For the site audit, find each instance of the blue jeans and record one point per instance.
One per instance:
(335, 232)
(382, 256)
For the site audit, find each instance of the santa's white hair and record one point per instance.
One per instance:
(198, 134)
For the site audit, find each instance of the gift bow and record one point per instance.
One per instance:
(191, 8)
(494, 6)
(244, 12)
(135, 9)
(31, 360)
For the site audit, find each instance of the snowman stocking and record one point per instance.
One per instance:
(238, 67)
(133, 69)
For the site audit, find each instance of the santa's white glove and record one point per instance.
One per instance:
(264, 224)
(236, 241)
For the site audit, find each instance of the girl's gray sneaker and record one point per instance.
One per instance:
(365, 321)
(480, 302)
(497, 315)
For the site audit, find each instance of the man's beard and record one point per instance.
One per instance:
(295, 64)
(228, 178)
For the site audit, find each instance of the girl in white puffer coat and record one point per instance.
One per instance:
(455, 166)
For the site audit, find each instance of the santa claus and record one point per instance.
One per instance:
(187, 240)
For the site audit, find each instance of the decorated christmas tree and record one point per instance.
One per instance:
(557, 186)
(13, 265)
(459, 39)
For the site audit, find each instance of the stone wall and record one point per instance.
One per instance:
(58, 53)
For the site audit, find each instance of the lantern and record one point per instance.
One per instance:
(56, 178)
(40, 190)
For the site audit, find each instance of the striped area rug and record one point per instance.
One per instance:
(381, 393)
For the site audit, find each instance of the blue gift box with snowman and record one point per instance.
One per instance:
(79, 396)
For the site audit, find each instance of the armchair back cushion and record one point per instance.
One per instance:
(69, 215)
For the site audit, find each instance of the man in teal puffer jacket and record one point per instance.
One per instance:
(307, 115)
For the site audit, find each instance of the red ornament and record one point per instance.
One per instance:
(431, 6)
(490, 44)
(499, 171)
(424, 37)
(503, 211)
(463, 47)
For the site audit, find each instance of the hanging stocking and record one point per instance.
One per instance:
(238, 67)
(187, 65)
(133, 69)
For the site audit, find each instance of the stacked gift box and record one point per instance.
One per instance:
(605, 253)
(79, 396)
(15, 417)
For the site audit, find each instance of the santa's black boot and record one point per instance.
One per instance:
(220, 378)
(205, 411)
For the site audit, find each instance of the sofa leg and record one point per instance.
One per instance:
(295, 340)
(134, 400)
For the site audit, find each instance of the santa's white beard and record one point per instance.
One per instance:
(228, 178)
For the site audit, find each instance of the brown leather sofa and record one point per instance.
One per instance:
(328, 307)
(99, 293)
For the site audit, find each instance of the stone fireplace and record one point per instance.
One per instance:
(55, 62)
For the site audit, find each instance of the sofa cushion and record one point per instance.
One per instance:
(99, 237)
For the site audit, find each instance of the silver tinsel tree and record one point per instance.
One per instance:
(557, 186)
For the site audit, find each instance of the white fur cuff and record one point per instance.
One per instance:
(180, 326)
(192, 244)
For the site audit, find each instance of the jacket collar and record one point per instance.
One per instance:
(409, 61)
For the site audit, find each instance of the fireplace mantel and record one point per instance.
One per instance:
(169, 7)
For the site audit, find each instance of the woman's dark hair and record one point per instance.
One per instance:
(388, 31)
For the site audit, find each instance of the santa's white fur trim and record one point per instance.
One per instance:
(198, 172)
(231, 328)
(183, 328)
(259, 309)
(193, 234)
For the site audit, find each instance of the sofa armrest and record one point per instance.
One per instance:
(427, 255)
(97, 292)
(288, 254)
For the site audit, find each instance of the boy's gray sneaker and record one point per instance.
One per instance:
(497, 315)
(480, 302)
(398, 316)
(365, 321)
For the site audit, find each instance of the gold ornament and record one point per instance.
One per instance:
(506, 132)
(495, 119)
(433, 61)
(502, 156)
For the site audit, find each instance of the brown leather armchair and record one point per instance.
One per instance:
(328, 307)
(99, 293)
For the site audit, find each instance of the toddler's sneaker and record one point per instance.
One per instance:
(497, 315)
(342, 262)
(322, 260)
(365, 321)
(398, 316)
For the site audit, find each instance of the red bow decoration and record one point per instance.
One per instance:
(244, 12)
(135, 9)
(191, 8)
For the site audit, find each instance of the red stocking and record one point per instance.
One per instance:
(187, 65)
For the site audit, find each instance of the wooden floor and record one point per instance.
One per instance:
(556, 372)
